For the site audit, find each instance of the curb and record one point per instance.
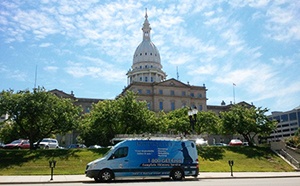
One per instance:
(195, 179)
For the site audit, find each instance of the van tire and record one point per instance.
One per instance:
(177, 174)
(105, 175)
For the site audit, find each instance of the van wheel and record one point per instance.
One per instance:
(177, 174)
(106, 175)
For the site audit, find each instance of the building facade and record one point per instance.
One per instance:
(85, 104)
(148, 80)
(288, 124)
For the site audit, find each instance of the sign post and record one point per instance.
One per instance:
(230, 162)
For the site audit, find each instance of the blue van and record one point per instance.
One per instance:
(146, 158)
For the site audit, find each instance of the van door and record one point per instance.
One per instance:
(118, 162)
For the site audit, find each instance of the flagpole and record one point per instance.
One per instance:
(35, 76)
(233, 90)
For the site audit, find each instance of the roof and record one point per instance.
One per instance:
(146, 51)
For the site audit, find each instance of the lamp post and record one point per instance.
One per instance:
(192, 113)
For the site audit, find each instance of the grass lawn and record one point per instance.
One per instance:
(211, 159)
(36, 162)
(246, 159)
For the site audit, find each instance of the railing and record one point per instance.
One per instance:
(121, 137)
(288, 157)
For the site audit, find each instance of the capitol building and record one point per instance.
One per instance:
(147, 78)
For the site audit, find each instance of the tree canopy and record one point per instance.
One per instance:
(247, 121)
(36, 115)
(124, 115)
(39, 114)
(177, 121)
(208, 122)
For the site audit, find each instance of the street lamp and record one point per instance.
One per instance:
(192, 113)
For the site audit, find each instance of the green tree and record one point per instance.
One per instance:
(294, 140)
(208, 122)
(124, 115)
(134, 116)
(247, 121)
(38, 114)
(177, 121)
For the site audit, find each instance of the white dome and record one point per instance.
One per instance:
(146, 66)
(146, 52)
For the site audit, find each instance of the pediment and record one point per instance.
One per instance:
(62, 94)
(172, 82)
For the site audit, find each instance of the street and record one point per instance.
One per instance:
(190, 182)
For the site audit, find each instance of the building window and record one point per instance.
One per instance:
(192, 94)
(161, 105)
(183, 93)
(141, 79)
(160, 92)
(140, 91)
(173, 105)
(151, 79)
(146, 66)
(199, 95)
(148, 91)
(284, 117)
(149, 105)
(146, 79)
(277, 118)
(200, 107)
(141, 67)
(294, 124)
(145, 53)
(293, 116)
(172, 93)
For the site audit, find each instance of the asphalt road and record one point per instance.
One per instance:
(294, 181)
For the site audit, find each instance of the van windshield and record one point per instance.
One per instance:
(111, 149)
(108, 152)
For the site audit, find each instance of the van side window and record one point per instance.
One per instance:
(121, 152)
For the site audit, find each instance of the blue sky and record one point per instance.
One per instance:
(87, 46)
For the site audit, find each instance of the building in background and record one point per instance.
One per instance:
(3, 117)
(288, 124)
(148, 80)
(85, 103)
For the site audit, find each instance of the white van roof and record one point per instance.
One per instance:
(122, 137)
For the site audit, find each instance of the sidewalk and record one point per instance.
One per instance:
(82, 178)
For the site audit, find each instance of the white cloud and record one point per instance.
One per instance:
(51, 68)
(215, 21)
(208, 69)
(209, 13)
(282, 61)
(17, 75)
(180, 59)
(213, 42)
(283, 21)
(45, 45)
(258, 3)
(79, 70)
